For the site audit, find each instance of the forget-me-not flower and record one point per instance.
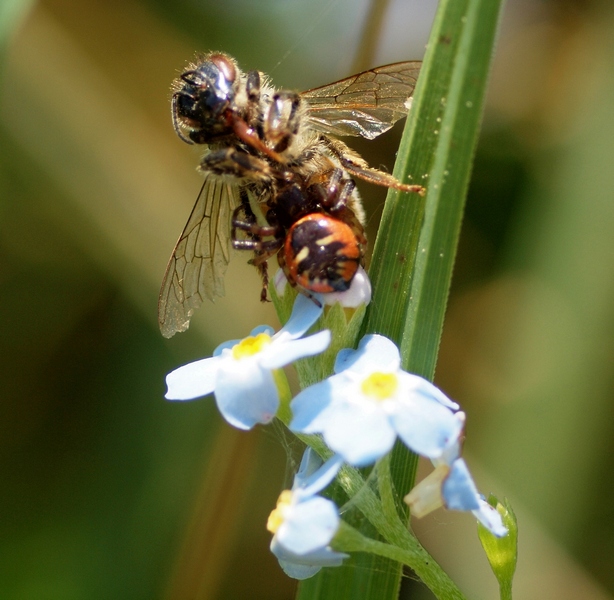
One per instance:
(452, 486)
(241, 373)
(370, 401)
(303, 523)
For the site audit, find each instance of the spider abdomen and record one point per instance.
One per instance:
(321, 254)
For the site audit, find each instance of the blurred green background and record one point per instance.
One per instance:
(108, 491)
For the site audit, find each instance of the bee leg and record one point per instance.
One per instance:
(252, 87)
(358, 167)
(254, 113)
(282, 119)
(380, 178)
(230, 161)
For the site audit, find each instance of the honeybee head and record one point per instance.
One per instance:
(202, 96)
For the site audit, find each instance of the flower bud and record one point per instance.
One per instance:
(502, 552)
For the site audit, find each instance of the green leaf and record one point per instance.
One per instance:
(414, 254)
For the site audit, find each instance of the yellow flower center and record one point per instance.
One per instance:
(277, 516)
(380, 386)
(251, 345)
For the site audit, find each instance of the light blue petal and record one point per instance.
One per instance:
(490, 518)
(310, 525)
(306, 565)
(320, 478)
(323, 557)
(305, 313)
(193, 380)
(309, 405)
(279, 354)
(298, 571)
(374, 353)
(458, 490)
(360, 432)
(310, 463)
(262, 329)
(246, 394)
(426, 388)
(454, 450)
(424, 425)
(224, 345)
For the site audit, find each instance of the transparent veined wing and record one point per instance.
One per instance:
(366, 104)
(197, 266)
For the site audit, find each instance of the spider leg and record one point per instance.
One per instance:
(244, 220)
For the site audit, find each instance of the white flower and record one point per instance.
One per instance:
(241, 373)
(303, 523)
(370, 401)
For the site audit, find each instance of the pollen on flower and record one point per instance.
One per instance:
(380, 386)
(278, 514)
(251, 345)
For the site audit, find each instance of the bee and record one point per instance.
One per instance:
(277, 179)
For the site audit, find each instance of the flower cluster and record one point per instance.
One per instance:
(360, 412)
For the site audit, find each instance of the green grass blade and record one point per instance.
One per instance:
(412, 263)
(413, 258)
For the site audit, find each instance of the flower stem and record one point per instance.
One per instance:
(402, 546)
(284, 414)
(413, 555)
(386, 487)
(505, 590)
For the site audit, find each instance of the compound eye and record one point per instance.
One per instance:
(225, 66)
(203, 95)
(216, 90)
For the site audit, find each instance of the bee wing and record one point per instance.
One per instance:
(366, 104)
(196, 268)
